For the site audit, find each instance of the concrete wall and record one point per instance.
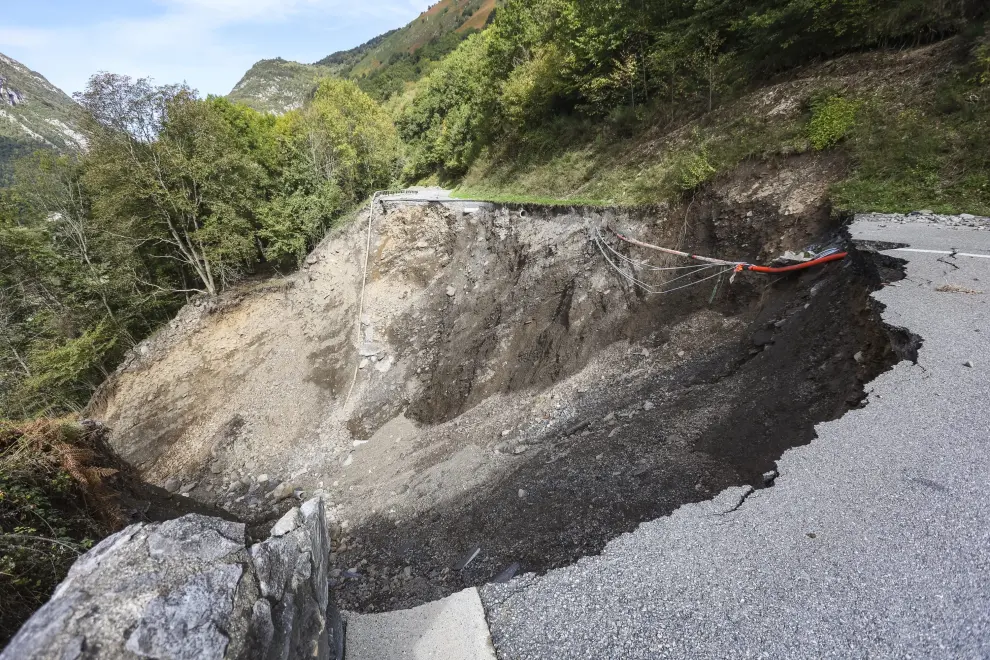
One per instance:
(191, 589)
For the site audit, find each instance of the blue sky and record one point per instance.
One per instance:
(206, 43)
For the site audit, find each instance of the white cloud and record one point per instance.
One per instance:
(207, 43)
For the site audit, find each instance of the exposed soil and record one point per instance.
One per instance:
(515, 393)
(661, 432)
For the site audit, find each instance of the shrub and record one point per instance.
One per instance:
(57, 498)
(832, 117)
(691, 169)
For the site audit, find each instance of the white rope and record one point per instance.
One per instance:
(364, 289)
(663, 290)
(642, 264)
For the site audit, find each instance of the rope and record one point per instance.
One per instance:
(364, 287)
(663, 289)
(677, 253)
(642, 264)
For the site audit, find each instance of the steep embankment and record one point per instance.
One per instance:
(513, 390)
(910, 141)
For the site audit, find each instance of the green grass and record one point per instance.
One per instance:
(928, 156)
(498, 197)
(605, 165)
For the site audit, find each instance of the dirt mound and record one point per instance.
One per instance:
(513, 392)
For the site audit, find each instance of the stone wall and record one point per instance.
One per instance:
(191, 589)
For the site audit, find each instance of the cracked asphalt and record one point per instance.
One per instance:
(873, 542)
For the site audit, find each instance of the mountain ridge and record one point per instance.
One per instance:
(278, 85)
(34, 114)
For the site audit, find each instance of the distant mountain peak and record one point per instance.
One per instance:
(35, 113)
(277, 85)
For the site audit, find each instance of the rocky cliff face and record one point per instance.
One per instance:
(192, 588)
(34, 111)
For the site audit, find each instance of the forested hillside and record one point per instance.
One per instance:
(555, 78)
(383, 67)
(176, 196)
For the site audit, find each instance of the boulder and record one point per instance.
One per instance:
(191, 589)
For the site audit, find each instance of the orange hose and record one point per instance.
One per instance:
(839, 256)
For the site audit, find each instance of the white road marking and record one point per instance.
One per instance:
(955, 254)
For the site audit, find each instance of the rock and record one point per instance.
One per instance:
(520, 449)
(762, 338)
(183, 622)
(312, 259)
(407, 573)
(178, 590)
(968, 363)
(283, 490)
(262, 478)
(216, 469)
(172, 485)
(364, 364)
(967, 216)
(287, 523)
(580, 426)
(506, 432)
(770, 477)
(370, 350)
(275, 561)
(523, 493)
(451, 292)
(859, 357)
(614, 432)
(648, 405)
(608, 418)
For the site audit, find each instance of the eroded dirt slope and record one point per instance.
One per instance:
(514, 392)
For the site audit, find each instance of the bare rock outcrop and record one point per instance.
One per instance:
(192, 588)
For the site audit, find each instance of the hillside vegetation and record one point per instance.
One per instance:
(383, 67)
(561, 98)
(176, 196)
(278, 86)
(33, 114)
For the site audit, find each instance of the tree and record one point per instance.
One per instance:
(331, 154)
(168, 168)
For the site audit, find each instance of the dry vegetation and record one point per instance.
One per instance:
(59, 494)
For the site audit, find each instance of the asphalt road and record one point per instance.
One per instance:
(874, 541)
